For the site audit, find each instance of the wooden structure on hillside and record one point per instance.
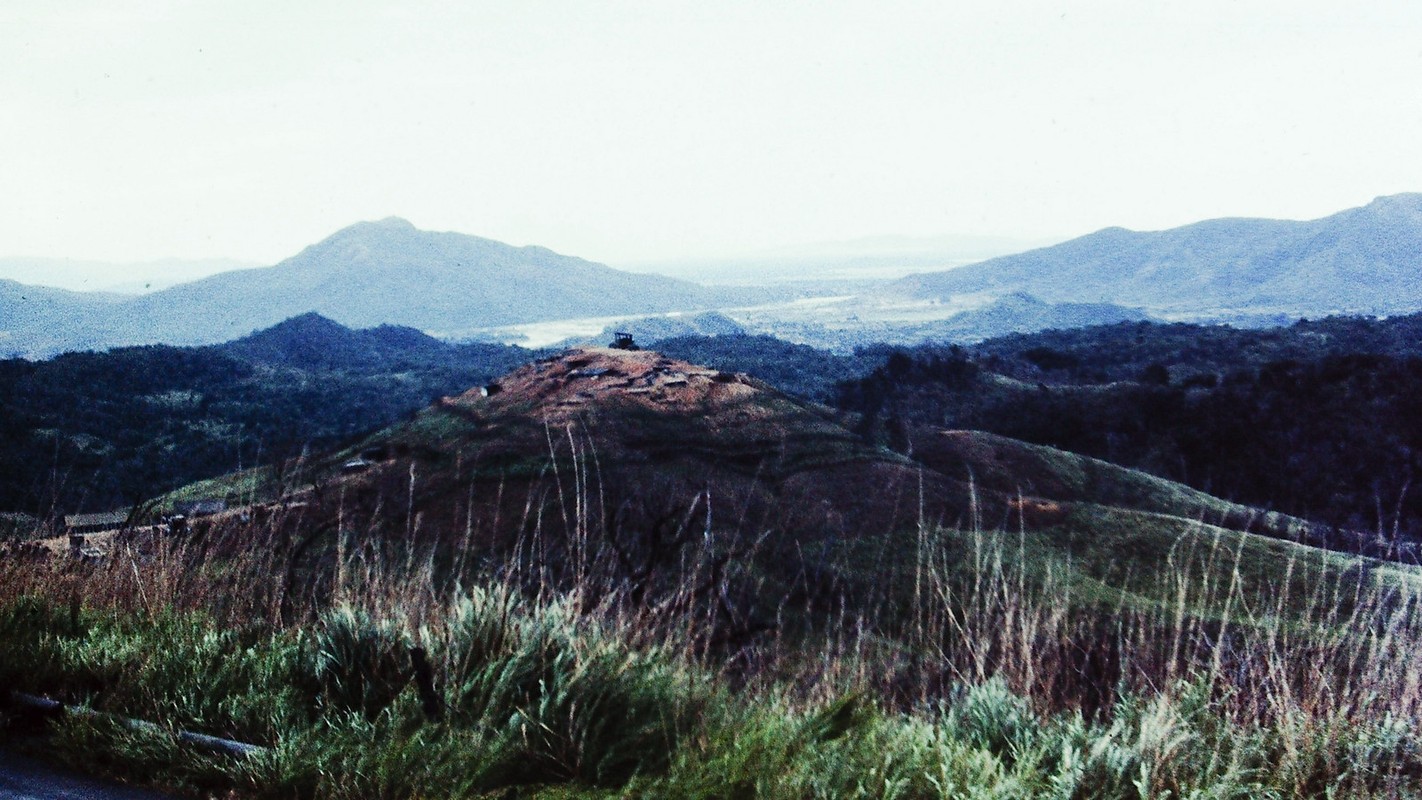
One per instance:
(94, 523)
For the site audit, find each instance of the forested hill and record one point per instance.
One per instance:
(1320, 419)
(1193, 352)
(91, 431)
(1317, 419)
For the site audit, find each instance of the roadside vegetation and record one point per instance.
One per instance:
(999, 678)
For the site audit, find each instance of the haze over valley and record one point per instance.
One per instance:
(461, 287)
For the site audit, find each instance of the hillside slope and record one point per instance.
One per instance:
(1019, 312)
(369, 274)
(623, 464)
(1366, 259)
(1317, 421)
(38, 320)
(390, 272)
(645, 557)
(90, 431)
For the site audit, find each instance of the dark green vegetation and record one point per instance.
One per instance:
(1316, 419)
(1004, 678)
(664, 466)
(93, 431)
(801, 370)
(548, 700)
(1193, 353)
(618, 574)
(1319, 420)
(630, 576)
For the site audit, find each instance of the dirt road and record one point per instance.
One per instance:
(24, 778)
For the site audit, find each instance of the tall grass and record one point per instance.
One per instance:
(986, 671)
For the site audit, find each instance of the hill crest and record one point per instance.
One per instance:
(650, 420)
(563, 386)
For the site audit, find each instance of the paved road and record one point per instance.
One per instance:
(24, 778)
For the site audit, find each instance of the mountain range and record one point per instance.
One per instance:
(1365, 260)
(369, 274)
(1362, 260)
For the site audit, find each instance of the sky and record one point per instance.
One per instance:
(632, 132)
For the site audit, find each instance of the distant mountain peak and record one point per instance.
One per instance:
(312, 340)
(367, 274)
(393, 222)
(302, 327)
(311, 319)
(1407, 203)
(373, 228)
(1409, 198)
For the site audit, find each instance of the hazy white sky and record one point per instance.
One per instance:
(626, 131)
